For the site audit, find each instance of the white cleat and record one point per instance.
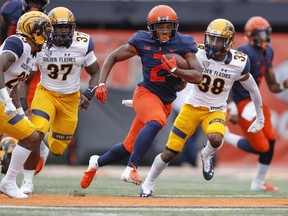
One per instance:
(27, 187)
(12, 190)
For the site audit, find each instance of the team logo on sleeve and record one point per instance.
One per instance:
(48, 52)
(205, 64)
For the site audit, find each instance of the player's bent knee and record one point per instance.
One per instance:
(58, 148)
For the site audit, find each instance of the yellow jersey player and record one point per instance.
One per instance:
(205, 104)
(56, 101)
(17, 57)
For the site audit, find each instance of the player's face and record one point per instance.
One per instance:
(61, 34)
(164, 31)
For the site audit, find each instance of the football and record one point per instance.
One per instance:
(181, 62)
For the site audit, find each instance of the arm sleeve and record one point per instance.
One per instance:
(251, 86)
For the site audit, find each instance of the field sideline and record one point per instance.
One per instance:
(180, 190)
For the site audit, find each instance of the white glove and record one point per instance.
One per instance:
(127, 103)
(232, 108)
(256, 126)
(9, 109)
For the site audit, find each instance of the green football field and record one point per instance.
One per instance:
(229, 183)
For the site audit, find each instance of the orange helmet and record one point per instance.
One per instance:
(258, 32)
(162, 14)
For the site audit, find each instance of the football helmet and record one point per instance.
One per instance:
(63, 22)
(7, 146)
(162, 14)
(219, 37)
(258, 32)
(35, 5)
(35, 25)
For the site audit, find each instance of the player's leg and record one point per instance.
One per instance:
(43, 111)
(214, 125)
(151, 111)
(183, 127)
(24, 131)
(116, 153)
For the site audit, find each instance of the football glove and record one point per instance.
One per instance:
(256, 126)
(169, 64)
(90, 91)
(9, 108)
(24, 104)
(101, 92)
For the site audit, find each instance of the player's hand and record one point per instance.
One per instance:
(256, 126)
(233, 119)
(169, 64)
(101, 92)
(84, 102)
(9, 109)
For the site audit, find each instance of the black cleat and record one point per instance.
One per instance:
(208, 168)
(142, 194)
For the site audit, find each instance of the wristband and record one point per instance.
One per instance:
(24, 104)
(89, 93)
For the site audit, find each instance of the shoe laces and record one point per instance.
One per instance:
(134, 174)
(207, 163)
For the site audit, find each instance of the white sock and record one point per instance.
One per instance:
(231, 138)
(156, 169)
(261, 173)
(28, 175)
(208, 150)
(18, 158)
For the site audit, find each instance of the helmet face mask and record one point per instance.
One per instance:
(35, 5)
(162, 23)
(36, 26)
(258, 32)
(63, 22)
(219, 38)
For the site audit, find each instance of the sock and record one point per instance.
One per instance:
(116, 153)
(208, 150)
(156, 169)
(266, 158)
(143, 142)
(261, 173)
(28, 175)
(246, 146)
(231, 138)
(18, 158)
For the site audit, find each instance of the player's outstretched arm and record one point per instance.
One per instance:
(250, 85)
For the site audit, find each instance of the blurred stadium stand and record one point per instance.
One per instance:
(194, 15)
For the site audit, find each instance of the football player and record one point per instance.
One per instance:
(258, 34)
(153, 97)
(56, 101)
(10, 13)
(17, 58)
(205, 104)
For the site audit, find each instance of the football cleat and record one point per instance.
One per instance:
(131, 175)
(27, 187)
(44, 152)
(11, 190)
(146, 191)
(207, 167)
(263, 187)
(89, 174)
(146, 194)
